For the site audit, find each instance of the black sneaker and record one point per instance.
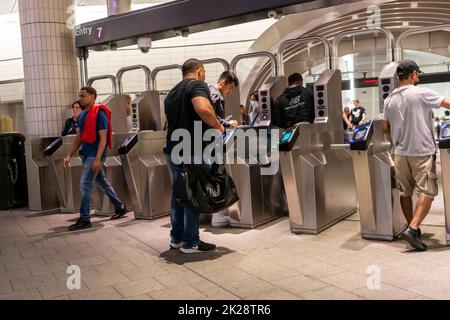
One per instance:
(412, 236)
(200, 248)
(80, 225)
(419, 232)
(119, 213)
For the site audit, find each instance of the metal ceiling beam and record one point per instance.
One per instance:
(183, 17)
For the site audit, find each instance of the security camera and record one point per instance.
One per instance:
(182, 33)
(273, 15)
(144, 44)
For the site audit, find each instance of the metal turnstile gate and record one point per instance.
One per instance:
(444, 146)
(380, 211)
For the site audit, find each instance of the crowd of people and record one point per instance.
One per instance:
(408, 118)
(353, 118)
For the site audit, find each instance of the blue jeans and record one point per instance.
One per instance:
(185, 224)
(87, 177)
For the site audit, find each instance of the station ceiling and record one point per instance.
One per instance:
(10, 6)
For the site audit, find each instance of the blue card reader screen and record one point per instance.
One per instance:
(360, 134)
(286, 136)
(445, 132)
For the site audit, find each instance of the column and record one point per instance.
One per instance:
(50, 64)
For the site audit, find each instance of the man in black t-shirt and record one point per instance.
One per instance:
(186, 104)
(295, 105)
(358, 114)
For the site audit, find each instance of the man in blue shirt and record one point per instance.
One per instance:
(94, 154)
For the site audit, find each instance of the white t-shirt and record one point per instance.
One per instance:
(409, 110)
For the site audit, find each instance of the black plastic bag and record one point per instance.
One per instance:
(205, 192)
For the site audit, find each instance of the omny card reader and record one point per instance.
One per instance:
(361, 136)
(288, 138)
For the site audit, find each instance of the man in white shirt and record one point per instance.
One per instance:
(408, 118)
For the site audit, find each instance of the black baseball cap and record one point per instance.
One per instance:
(407, 67)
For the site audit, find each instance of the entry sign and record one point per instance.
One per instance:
(100, 33)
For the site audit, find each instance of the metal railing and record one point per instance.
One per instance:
(122, 71)
(284, 45)
(157, 70)
(113, 80)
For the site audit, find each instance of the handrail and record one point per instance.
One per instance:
(122, 71)
(91, 81)
(355, 32)
(223, 62)
(308, 39)
(241, 57)
(398, 50)
(157, 70)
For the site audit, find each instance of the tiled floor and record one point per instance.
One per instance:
(129, 259)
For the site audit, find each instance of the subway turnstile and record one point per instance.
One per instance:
(380, 211)
(147, 174)
(444, 146)
(317, 169)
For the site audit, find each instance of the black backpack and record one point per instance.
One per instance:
(205, 192)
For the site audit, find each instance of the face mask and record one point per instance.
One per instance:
(254, 104)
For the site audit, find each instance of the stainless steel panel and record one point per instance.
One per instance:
(148, 112)
(156, 187)
(268, 93)
(148, 176)
(445, 163)
(115, 175)
(117, 103)
(388, 81)
(327, 192)
(72, 177)
(380, 211)
(261, 197)
(329, 106)
(363, 164)
(293, 185)
(320, 178)
(41, 189)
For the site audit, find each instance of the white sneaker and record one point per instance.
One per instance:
(220, 220)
